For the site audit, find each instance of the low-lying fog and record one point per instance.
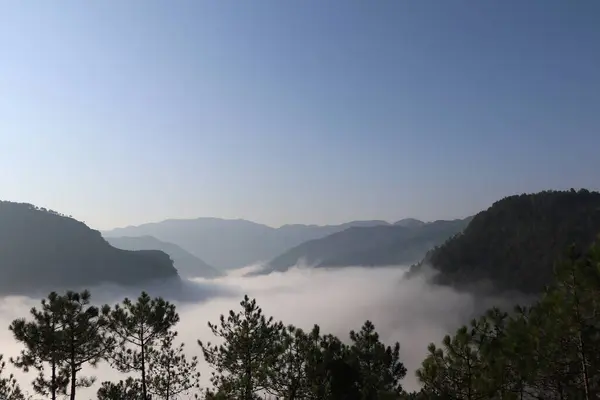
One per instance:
(339, 300)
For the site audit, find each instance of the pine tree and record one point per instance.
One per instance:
(378, 366)
(341, 378)
(84, 340)
(289, 379)
(243, 363)
(42, 339)
(576, 298)
(170, 373)
(130, 389)
(136, 327)
(9, 388)
(456, 371)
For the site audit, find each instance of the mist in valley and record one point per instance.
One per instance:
(409, 311)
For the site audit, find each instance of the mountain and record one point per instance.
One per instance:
(514, 243)
(43, 250)
(187, 264)
(229, 244)
(409, 222)
(369, 246)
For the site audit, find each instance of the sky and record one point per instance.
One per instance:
(125, 112)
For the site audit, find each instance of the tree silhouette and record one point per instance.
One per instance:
(43, 338)
(170, 373)
(378, 366)
(251, 345)
(84, 340)
(136, 327)
(130, 389)
(9, 388)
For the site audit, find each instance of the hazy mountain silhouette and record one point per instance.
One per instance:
(516, 242)
(187, 264)
(370, 246)
(43, 250)
(409, 222)
(229, 244)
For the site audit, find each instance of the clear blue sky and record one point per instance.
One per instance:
(124, 112)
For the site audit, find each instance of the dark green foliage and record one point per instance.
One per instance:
(136, 328)
(66, 334)
(83, 336)
(9, 388)
(130, 389)
(251, 345)
(170, 373)
(43, 340)
(258, 359)
(290, 379)
(516, 242)
(378, 366)
(549, 351)
(259, 356)
(43, 250)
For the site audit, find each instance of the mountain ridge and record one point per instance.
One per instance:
(43, 249)
(246, 242)
(369, 246)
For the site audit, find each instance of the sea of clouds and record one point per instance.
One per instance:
(409, 311)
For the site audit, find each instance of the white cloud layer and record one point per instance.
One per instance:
(411, 312)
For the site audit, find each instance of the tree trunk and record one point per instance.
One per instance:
(53, 380)
(581, 344)
(73, 370)
(143, 356)
(73, 379)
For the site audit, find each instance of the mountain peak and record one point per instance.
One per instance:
(409, 222)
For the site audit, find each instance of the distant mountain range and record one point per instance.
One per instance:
(403, 243)
(513, 245)
(229, 244)
(187, 265)
(42, 250)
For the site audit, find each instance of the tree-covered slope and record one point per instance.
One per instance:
(370, 246)
(515, 243)
(187, 264)
(41, 249)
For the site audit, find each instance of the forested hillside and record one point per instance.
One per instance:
(41, 250)
(515, 242)
(400, 244)
(548, 351)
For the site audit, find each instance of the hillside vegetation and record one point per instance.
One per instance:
(515, 243)
(370, 246)
(41, 249)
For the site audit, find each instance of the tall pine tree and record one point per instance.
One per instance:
(84, 339)
(379, 367)
(170, 373)
(43, 338)
(136, 328)
(244, 361)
